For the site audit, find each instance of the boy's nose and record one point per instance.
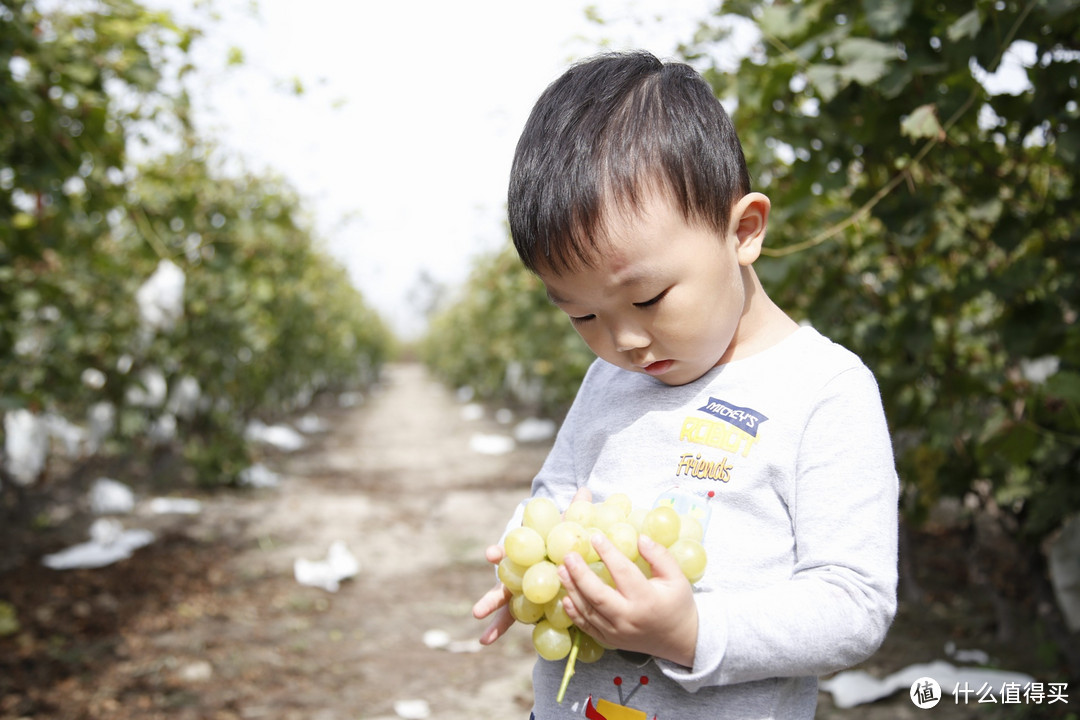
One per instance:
(627, 338)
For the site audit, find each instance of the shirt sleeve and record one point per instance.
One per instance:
(836, 607)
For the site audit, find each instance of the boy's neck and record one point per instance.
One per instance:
(762, 325)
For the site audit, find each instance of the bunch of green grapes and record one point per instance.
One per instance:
(533, 551)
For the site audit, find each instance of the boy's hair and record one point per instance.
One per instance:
(601, 138)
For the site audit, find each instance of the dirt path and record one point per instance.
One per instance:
(396, 481)
(208, 622)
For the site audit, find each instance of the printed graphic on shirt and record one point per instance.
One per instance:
(687, 504)
(729, 427)
(695, 466)
(601, 709)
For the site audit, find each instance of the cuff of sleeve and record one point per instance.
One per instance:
(708, 652)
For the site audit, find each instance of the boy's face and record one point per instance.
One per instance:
(663, 297)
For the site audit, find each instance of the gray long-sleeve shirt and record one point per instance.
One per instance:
(801, 531)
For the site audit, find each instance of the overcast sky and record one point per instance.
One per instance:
(401, 142)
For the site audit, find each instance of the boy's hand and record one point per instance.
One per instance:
(494, 601)
(652, 615)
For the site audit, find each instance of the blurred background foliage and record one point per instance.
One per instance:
(927, 220)
(103, 183)
(922, 216)
(502, 337)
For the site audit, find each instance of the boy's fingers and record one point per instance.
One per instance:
(499, 625)
(592, 599)
(491, 601)
(661, 561)
(623, 571)
(582, 494)
(493, 554)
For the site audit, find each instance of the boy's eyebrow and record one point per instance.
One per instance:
(637, 278)
(555, 299)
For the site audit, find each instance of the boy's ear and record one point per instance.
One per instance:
(749, 221)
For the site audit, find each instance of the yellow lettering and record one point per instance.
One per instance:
(720, 435)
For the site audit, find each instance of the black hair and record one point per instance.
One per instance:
(604, 135)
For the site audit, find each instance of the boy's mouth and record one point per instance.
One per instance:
(657, 368)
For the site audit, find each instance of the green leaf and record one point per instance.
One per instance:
(788, 21)
(825, 79)
(866, 61)
(886, 17)
(234, 57)
(967, 25)
(1065, 385)
(921, 123)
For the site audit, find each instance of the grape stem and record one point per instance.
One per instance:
(569, 671)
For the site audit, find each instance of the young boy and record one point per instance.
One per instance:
(630, 198)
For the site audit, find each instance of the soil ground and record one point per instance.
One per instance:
(209, 622)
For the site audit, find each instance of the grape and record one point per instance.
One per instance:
(690, 528)
(551, 642)
(510, 574)
(524, 546)
(591, 554)
(621, 501)
(541, 514)
(525, 610)
(624, 537)
(644, 566)
(540, 582)
(607, 515)
(534, 551)
(556, 613)
(566, 537)
(581, 512)
(690, 555)
(590, 650)
(602, 572)
(662, 525)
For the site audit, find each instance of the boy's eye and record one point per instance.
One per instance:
(581, 319)
(653, 301)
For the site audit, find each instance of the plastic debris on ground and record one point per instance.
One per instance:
(70, 436)
(412, 709)
(440, 640)
(174, 506)
(101, 420)
(26, 445)
(184, 398)
(259, 476)
(340, 564)
(109, 542)
(111, 497)
(471, 412)
(857, 687)
(491, 444)
(534, 430)
(311, 424)
(282, 437)
(975, 657)
(150, 391)
(350, 399)
(196, 672)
